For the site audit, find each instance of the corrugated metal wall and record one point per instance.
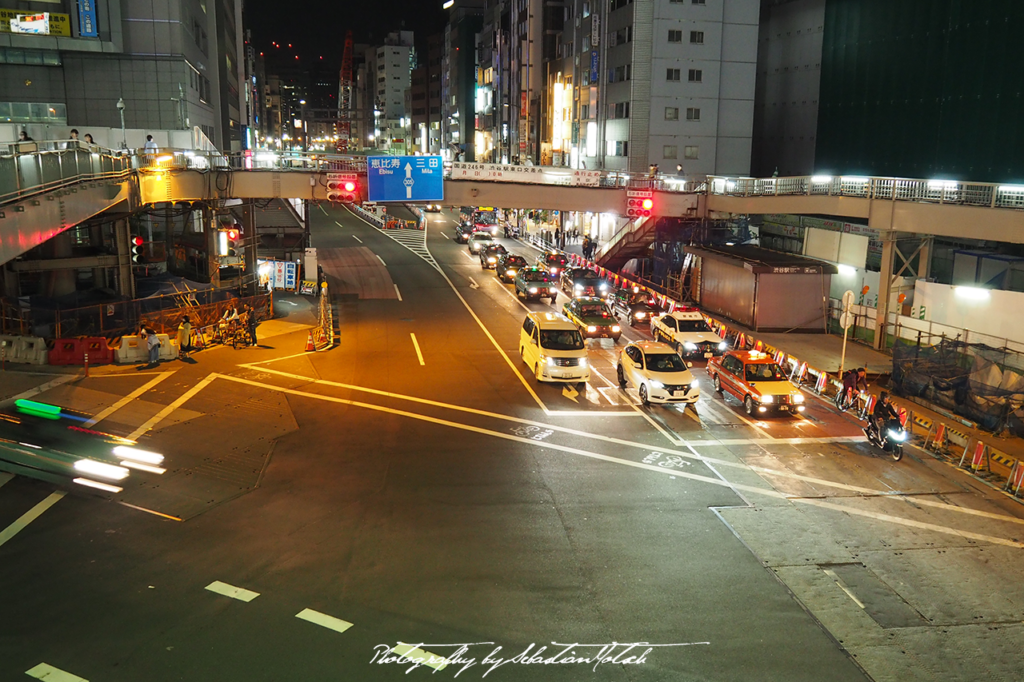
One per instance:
(923, 88)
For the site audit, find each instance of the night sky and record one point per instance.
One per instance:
(316, 28)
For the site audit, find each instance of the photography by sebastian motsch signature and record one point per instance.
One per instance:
(466, 655)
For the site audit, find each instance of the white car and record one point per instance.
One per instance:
(688, 332)
(480, 240)
(658, 373)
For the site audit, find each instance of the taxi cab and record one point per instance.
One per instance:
(508, 265)
(688, 332)
(757, 381)
(552, 348)
(535, 283)
(554, 261)
(592, 317)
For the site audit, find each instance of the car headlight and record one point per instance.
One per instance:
(604, 287)
(897, 435)
(766, 399)
(639, 314)
(591, 329)
(689, 345)
(616, 328)
(723, 345)
(533, 290)
(553, 290)
(492, 260)
(578, 287)
(695, 383)
(583, 362)
(798, 398)
(91, 466)
(656, 384)
(510, 273)
(551, 362)
(554, 271)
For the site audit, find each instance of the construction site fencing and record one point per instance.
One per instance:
(980, 382)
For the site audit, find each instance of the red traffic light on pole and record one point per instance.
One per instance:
(136, 248)
(639, 207)
(345, 190)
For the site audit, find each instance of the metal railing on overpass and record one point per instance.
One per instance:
(988, 195)
(55, 164)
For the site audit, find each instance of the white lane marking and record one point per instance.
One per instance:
(444, 235)
(417, 347)
(381, 260)
(128, 398)
(643, 413)
(832, 574)
(398, 293)
(163, 414)
(322, 208)
(472, 283)
(430, 660)
(5, 477)
(467, 255)
(239, 593)
(338, 224)
(45, 671)
(323, 620)
(357, 239)
(29, 516)
(630, 443)
(38, 389)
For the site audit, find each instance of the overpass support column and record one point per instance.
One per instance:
(884, 289)
(924, 258)
(125, 280)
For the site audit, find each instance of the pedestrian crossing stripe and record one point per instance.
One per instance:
(415, 241)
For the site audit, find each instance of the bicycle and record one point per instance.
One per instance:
(844, 399)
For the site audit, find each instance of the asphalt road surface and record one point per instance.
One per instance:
(414, 489)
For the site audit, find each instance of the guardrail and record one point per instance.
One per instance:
(988, 195)
(23, 175)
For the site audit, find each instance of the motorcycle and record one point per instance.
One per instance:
(891, 439)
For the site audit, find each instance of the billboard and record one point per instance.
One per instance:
(39, 23)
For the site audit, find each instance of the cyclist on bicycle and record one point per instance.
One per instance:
(855, 379)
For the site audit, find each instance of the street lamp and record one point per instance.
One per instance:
(120, 109)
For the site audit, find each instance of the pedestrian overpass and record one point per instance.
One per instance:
(47, 191)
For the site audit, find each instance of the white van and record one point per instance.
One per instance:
(553, 349)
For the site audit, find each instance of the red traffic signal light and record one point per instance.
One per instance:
(232, 235)
(136, 244)
(346, 191)
(639, 207)
(136, 241)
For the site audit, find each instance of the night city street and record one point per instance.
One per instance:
(440, 503)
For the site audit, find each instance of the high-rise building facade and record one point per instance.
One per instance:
(384, 82)
(175, 65)
(631, 83)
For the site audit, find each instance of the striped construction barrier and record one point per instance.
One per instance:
(1015, 479)
(821, 383)
(936, 438)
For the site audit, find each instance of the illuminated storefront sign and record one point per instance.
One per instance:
(40, 23)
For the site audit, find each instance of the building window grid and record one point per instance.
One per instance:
(672, 75)
(692, 113)
(696, 37)
(675, 36)
(671, 113)
(696, 76)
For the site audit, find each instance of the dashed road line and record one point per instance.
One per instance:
(381, 260)
(444, 235)
(30, 516)
(323, 620)
(416, 345)
(128, 398)
(398, 293)
(45, 671)
(357, 239)
(239, 593)
(415, 653)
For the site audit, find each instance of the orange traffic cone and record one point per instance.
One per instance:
(309, 342)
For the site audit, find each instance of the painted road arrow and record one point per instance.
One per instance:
(473, 284)
(570, 393)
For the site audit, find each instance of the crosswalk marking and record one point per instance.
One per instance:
(239, 593)
(29, 516)
(45, 671)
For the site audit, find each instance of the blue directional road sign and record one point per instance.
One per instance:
(405, 178)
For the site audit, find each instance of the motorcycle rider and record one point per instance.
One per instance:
(883, 412)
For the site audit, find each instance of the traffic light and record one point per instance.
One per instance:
(344, 190)
(136, 244)
(639, 207)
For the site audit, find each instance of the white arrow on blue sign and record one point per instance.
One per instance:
(404, 178)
